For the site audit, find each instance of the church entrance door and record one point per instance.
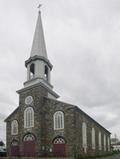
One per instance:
(29, 145)
(59, 147)
(14, 148)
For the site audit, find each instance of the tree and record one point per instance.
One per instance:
(2, 143)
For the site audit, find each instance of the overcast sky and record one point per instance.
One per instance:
(83, 44)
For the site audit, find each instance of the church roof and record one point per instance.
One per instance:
(14, 112)
(38, 46)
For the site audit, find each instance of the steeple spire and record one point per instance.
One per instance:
(38, 46)
(38, 65)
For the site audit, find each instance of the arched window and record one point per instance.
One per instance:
(14, 127)
(99, 141)
(93, 138)
(32, 71)
(29, 137)
(104, 142)
(46, 73)
(58, 120)
(29, 117)
(108, 142)
(59, 140)
(84, 136)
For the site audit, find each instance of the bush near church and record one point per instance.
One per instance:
(2, 149)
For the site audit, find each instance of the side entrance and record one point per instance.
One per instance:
(14, 148)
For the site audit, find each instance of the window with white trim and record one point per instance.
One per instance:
(14, 127)
(59, 140)
(29, 137)
(84, 136)
(29, 117)
(100, 141)
(93, 138)
(104, 142)
(58, 120)
(108, 142)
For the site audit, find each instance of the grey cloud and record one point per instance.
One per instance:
(2, 116)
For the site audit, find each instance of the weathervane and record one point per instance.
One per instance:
(40, 5)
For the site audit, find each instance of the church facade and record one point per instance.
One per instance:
(44, 126)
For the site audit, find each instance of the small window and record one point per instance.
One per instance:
(29, 137)
(93, 138)
(32, 71)
(108, 142)
(58, 120)
(59, 140)
(46, 73)
(84, 136)
(104, 142)
(14, 127)
(99, 141)
(29, 117)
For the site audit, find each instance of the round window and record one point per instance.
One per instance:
(28, 100)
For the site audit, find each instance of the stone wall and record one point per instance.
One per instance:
(72, 132)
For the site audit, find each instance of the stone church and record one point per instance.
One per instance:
(44, 126)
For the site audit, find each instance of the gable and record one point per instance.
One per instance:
(12, 114)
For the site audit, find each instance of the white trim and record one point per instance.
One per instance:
(93, 139)
(29, 137)
(104, 142)
(29, 117)
(84, 136)
(58, 120)
(14, 127)
(100, 141)
(108, 141)
(59, 140)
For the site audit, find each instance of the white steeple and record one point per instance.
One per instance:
(38, 65)
(38, 46)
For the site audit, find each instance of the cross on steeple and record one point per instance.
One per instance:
(39, 6)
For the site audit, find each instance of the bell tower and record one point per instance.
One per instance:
(38, 65)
